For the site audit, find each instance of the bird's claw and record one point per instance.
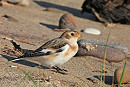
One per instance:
(59, 70)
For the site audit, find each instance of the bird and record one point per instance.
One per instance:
(53, 53)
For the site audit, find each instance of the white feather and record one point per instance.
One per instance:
(47, 50)
(64, 49)
(59, 60)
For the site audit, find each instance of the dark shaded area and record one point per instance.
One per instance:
(74, 11)
(108, 79)
(112, 11)
(24, 62)
(31, 64)
(48, 25)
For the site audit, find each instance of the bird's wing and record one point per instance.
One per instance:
(52, 46)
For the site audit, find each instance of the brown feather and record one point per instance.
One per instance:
(52, 44)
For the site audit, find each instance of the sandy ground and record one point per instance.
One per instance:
(36, 26)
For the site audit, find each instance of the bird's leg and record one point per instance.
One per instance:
(59, 69)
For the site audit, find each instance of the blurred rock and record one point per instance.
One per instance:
(10, 18)
(19, 2)
(109, 11)
(118, 74)
(67, 21)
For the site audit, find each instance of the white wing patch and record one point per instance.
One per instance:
(64, 49)
(47, 50)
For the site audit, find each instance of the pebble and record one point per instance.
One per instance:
(118, 74)
(10, 18)
(13, 1)
(91, 31)
(21, 2)
(67, 21)
(25, 2)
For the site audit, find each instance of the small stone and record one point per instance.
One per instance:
(67, 21)
(25, 2)
(92, 79)
(20, 2)
(12, 66)
(44, 35)
(1, 22)
(10, 18)
(91, 31)
(13, 1)
(118, 74)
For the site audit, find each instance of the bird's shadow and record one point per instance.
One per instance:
(108, 79)
(73, 11)
(24, 62)
(49, 25)
(29, 63)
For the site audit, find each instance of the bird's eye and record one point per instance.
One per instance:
(72, 34)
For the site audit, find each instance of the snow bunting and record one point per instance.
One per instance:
(54, 52)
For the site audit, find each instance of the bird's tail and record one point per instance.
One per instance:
(21, 53)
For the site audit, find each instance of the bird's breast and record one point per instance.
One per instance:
(71, 51)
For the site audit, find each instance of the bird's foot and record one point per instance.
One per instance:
(59, 70)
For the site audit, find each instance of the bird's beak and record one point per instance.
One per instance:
(79, 35)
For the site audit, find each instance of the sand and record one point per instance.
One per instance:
(37, 26)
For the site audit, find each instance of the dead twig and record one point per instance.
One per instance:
(9, 18)
(6, 47)
(107, 24)
(8, 50)
(98, 16)
(5, 3)
(62, 30)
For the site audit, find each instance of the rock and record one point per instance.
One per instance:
(91, 31)
(83, 42)
(67, 21)
(0, 3)
(118, 74)
(112, 54)
(13, 1)
(92, 79)
(96, 49)
(112, 11)
(25, 2)
(20, 2)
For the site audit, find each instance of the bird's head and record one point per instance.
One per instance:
(70, 36)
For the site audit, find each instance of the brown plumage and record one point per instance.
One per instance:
(54, 52)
